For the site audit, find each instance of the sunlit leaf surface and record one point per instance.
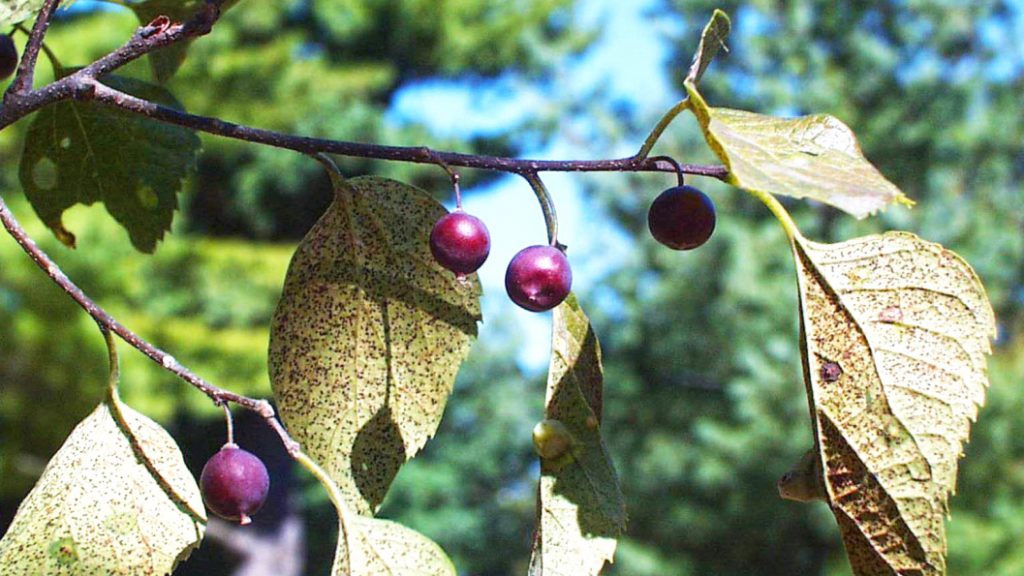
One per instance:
(896, 335)
(116, 499)
(369, 335)
(814, 157)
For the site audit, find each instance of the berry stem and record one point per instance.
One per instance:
(452, 174)
(115, 364)
(547, 206)
(680, 176)
(230, 422)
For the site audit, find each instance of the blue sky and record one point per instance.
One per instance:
(627, 61)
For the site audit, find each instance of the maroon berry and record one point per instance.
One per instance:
(681, 218)
(234, 484)
(538, 278)
(460, 242)
(8, 56)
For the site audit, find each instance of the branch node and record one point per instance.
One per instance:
(84, 89)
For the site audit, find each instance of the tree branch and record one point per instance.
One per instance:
(85, 84)
(108, 322)
(26, 68)
(414, 154)
(156, 34)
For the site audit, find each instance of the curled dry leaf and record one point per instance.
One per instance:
(712, 39)
(580, 509)
(896, 331)
(116, 499)
(368, 335)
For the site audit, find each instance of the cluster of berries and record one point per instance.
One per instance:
(539, 277)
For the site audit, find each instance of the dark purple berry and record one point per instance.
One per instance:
(681, 218)
(234, 484)
(538, 278)
(8, 56)
(460, 242)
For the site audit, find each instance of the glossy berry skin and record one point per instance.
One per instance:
(538, 278)
(460, 242)
(234, 484)
(681, 218)
(8, 56)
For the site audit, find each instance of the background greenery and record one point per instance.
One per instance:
(704, 400)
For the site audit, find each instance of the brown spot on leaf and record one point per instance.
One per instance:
(830, 372)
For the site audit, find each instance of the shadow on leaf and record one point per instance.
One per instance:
(377, 454)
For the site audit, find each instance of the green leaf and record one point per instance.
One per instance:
(814, 157)
(896, 332)
(369, 335)
(581, 512)
(116, 499)
(15, 11)
(83, 152)
(167, 60)
(711, 41)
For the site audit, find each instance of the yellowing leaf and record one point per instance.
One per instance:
(581, 513)
(371, 547)
(814, 157)
(711, 41)
(369, 335)
(116, 499)
(896, 332)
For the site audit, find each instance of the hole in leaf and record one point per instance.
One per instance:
(147, 197)
(65, 142)
(44, 174)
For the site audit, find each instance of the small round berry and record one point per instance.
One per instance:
(538, 278)
(234, 484)
(8, 56)
(460, 242)
(681, 218)
(551, 439)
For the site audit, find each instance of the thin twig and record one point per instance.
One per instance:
(108, 322)
(26, 68)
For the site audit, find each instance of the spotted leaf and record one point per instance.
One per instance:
(580, 511)
(896, 331)
(369, 335)
(116, 499)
